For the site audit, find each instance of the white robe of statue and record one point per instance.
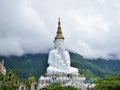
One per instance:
(59, 60)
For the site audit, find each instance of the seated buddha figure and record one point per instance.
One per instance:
(59, 59)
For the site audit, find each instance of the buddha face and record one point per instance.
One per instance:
(59, 44)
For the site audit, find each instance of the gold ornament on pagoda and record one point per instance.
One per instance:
(59, 32)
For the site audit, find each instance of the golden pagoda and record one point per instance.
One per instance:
(59, 32)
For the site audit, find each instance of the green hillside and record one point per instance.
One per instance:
(88, 68)
(36, 64)
(27, 65)
(108, 83)
(112, 65)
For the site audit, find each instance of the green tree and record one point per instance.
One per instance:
(9, 81)
(109, 83)
(2, 81)
(31, 79)
(12, 79)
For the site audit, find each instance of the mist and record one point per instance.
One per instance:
(91, 28)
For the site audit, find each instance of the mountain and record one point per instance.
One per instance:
(26, 65)
(88, 68)
(111, 65)
(36, 64)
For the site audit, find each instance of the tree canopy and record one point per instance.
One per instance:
(109, 83)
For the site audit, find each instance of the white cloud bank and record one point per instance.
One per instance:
(91, 27)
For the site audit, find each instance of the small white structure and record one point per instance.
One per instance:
(22, 87)
(64, 79)
(32, 86)
(42, 82)
(2, 68)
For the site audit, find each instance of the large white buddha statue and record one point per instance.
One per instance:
(59, 59)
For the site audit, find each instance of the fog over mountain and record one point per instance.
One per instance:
(90, 27)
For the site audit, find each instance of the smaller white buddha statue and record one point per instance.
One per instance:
(59, 59)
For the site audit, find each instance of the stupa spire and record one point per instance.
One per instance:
(59, 32)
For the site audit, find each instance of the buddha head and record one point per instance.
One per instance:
(59, 44)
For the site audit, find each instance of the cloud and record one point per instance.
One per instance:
(91, 28)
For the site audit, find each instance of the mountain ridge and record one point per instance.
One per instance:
(111, 64)
(36, 64)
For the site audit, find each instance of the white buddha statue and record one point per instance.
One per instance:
(59, 59)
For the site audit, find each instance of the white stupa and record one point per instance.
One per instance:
(59, 59)
(2, 68)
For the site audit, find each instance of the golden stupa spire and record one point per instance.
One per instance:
(59, 32)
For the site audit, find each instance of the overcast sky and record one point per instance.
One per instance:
(90, 27)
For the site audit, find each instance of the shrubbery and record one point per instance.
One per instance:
(109, 83)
